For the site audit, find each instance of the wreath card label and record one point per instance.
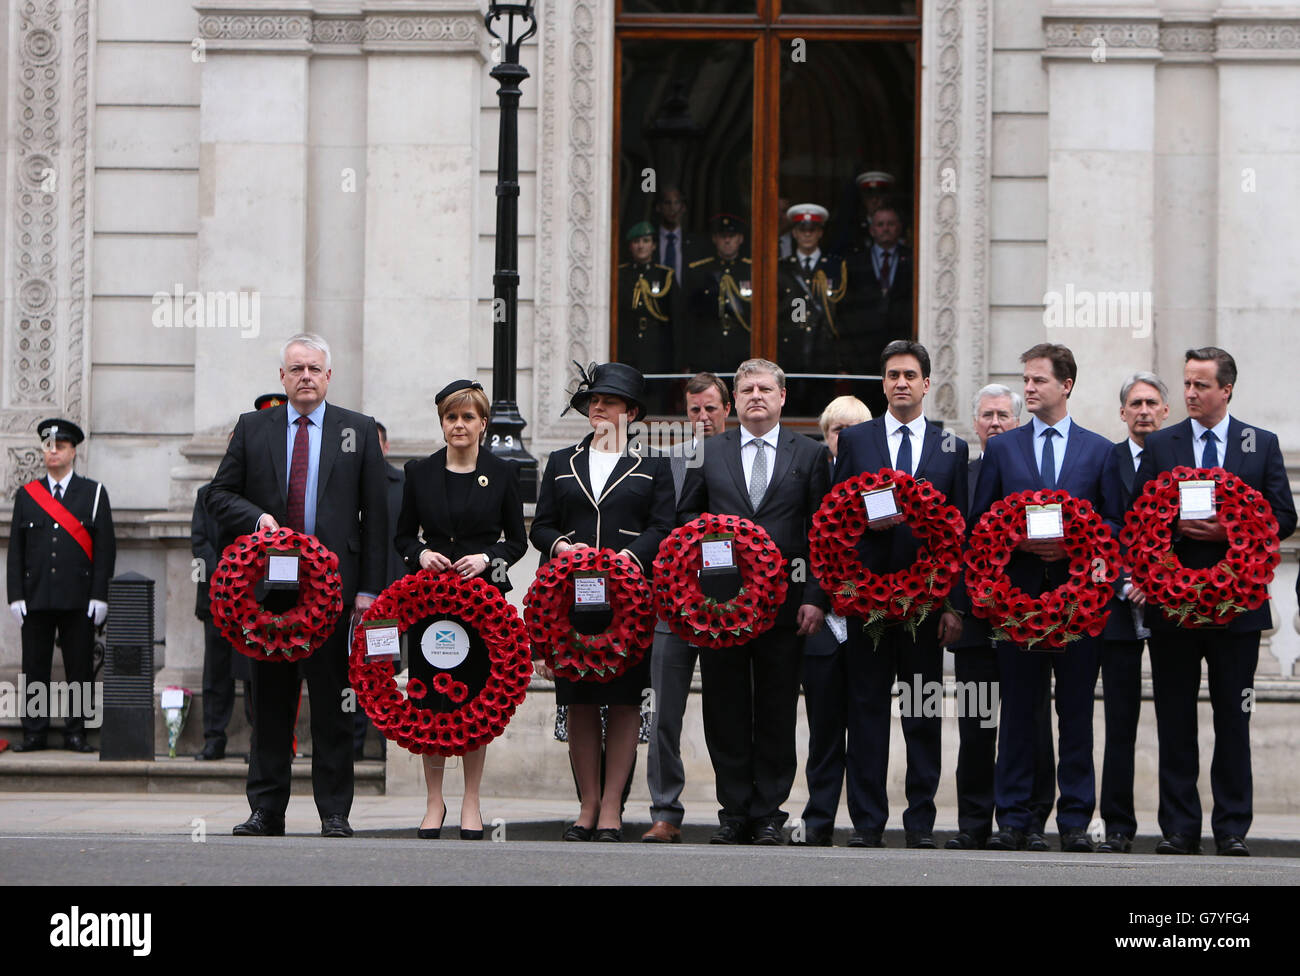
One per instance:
(383, 640)
(881, 505)
(1044, 522)
(1196, 499)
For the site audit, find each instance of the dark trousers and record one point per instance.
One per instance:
(222, 666)
(872, 674)
(1176, 679)
(977, 751)
(76, 635)
(751, 700)
(275, 707)
(1121, 678)
(672, 666)
(1025, 678)
(826, 701)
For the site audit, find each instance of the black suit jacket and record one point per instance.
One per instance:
(496, 511)
(1261, 468)
(46, 566)
(351, 496)
(864, 447)
(634, 511)
(396, 483)
(799, 481)
(206, 544)
(1119, 475)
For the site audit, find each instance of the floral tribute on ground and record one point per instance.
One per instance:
(1212, 596)
(590, 657)
(259, 633)
(480, 607)
(906, 596)
(705, 622)
(1058, 616)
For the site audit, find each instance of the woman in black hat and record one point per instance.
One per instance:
(461, 513)
(604, 493)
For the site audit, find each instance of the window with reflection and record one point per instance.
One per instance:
(765, 194)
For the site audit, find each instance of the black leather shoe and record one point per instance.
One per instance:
(1115, 844)
(31, 743)
(730, 832)
(866, 838)
(1007, 840)
(432, 833)
(335, 825)
(76, 742)
(261, 823)
(212, 749)
(1231, 845)
(612, 834)
(1036, 842)
(919, 840)
(768, 834)
(967, 841)
(577, 833)
(1179, 844)
(1075, 840)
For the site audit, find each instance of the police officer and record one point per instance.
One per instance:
(720, 290)
(61, 555)
(810, 284)
(646, 300)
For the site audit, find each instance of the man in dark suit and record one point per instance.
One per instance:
(672, 660)
(878, 306)
(777, 478)
(675, 245)
(975, 665)
(61, 555)
(901, 439)
(1052, 452)
(1144, 406)
(1209, 438)
(316, 468)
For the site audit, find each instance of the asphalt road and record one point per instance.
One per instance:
(102, 859)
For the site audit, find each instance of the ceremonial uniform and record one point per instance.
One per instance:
(720, 293)
(61, 555)
(645, 320)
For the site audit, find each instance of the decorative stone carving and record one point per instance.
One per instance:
(1187, 39)
(248, 27)
(24, 464)
(1263, 37)
(1079, 33)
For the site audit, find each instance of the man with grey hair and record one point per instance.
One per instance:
(326, 479)
(777, 478)
(1143, 406)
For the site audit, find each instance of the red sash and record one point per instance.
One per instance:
(55, 510)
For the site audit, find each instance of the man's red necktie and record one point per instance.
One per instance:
(296, 514)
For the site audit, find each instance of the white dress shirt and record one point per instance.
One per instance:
(894, 439)
(1062, 427)
(600, 465)
(1135, 449)
(1221, 434)
(63, 483)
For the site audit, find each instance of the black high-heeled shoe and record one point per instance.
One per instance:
(472, 834)
(431, 833)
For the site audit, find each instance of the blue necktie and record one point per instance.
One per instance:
(670, 250)
(904, 463)
(1210, 456)
(1048, 469)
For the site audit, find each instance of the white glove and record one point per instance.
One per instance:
(19, 609)
(98, 610)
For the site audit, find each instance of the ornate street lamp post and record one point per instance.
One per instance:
(505, 433)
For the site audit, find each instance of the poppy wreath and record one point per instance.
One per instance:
(257, 632)
(1058, 616)
(475, 722)
(906, 596)
(1208, 597)
(700, 620)
(590, 657)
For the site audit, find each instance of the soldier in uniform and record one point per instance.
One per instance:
(61, 555)
(719, 292)
(646, 300)
(810, 284)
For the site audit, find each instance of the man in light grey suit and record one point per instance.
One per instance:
(672, 660)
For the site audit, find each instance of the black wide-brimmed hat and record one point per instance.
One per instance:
(58, 429)
(612, 379)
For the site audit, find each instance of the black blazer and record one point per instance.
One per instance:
(800, 480)
(1119, 475)
(634, 512)
(37, 550)
(864, 447)
(425, 522)
(206, 545)
(351, 495)
(1261, 467)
